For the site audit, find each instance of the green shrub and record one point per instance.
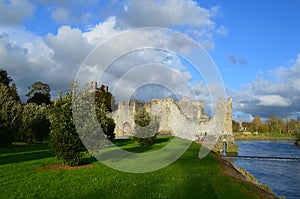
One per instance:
(145, 129)
(107, 123)
(64, 139)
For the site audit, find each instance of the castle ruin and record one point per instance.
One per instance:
(184, 118)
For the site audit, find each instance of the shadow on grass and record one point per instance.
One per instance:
(142, 149)
(21, 148)
(122, 142)
(156, 145)
(15, 158)
(87, 160)
(162, 139)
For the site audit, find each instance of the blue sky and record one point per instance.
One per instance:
(264, 33)
(254, 43)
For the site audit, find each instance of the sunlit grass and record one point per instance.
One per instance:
(24, 175)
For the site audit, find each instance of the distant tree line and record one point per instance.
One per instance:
(273, 125)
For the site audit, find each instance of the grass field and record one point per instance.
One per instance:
(25, 173)
(263, 136)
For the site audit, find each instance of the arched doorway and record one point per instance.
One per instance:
(126, 128)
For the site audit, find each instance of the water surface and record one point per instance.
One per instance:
(283, 176)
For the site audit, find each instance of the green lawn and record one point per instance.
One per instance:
(23, 175)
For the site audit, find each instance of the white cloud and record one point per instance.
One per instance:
(14, 12)
(183, 15)
(64, 16)
(275, 93)
(55, 58)
(274, 100)
(245, 117)
(69, 47)
(222, 31)
(71, 12)
(166, 13)
(101, 31)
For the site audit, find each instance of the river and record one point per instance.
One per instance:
(280, 169)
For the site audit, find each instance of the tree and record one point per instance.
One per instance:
(142, 117)
(4, 78)
(107, 123)
(288, 124)
(145, 129)
(256, 123)
(263, 129)
(296, 132)
(108, 126)
(105, 98)
(10, 115)
(64, 139)
(293, 125)
(35, 125)
(275, 124)
(39, 93)
(14, 92)
(94, 131)
(235, 126)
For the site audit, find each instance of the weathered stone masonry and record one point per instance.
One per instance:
(184, 118)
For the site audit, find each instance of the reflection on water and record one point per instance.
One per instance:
(282, 176)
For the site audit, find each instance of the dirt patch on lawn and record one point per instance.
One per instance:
(51, 167)
(240, 174)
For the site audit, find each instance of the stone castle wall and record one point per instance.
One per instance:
(184, 118)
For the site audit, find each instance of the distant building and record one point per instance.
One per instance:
(241, 127)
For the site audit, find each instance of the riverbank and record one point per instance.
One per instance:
(252, 136)
(242, 175)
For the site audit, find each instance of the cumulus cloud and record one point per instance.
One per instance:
(166, 13)
(14, 12)
(56, 57)
(274, 100)
(183, 15)
(53, 59)
(102, 31)
(275, 93)
(69, 47)
(71, 12)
